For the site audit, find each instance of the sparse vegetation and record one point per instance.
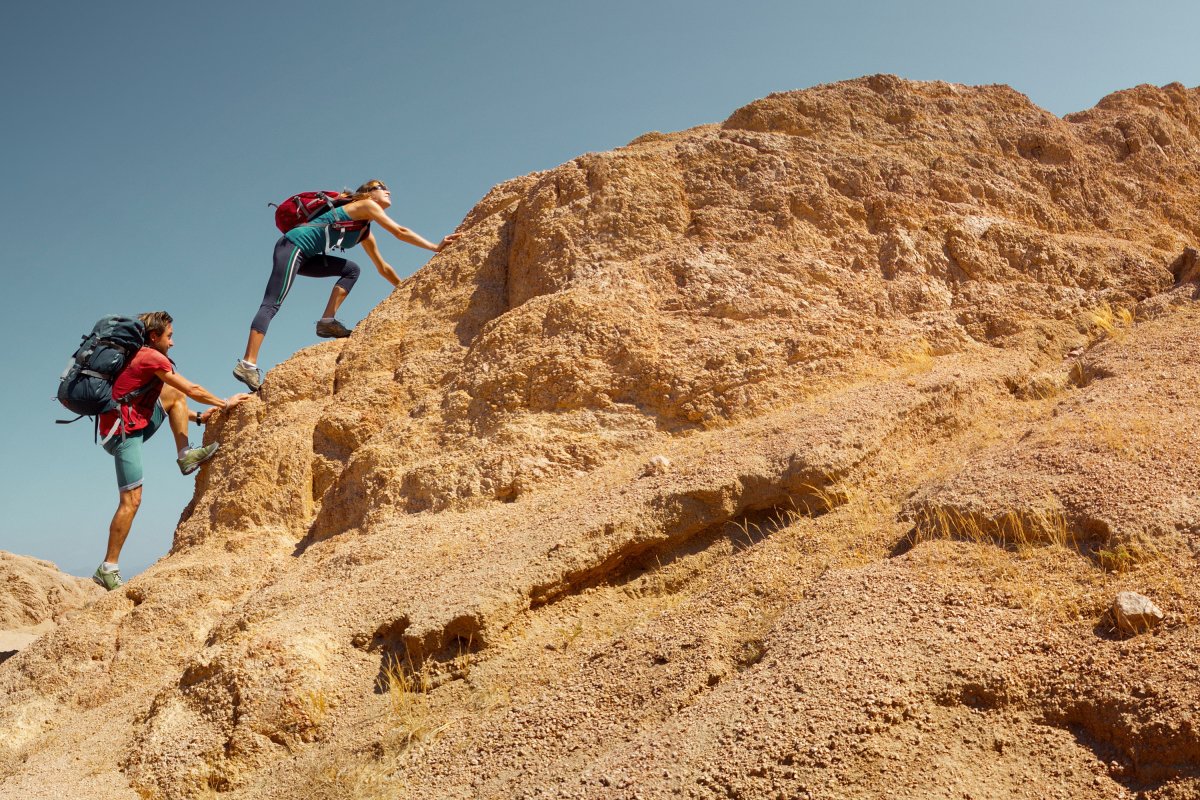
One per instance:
(407, 691)
(1122, 558)
(571, 633)
(316, 707)
(336, 777)
(1123, 436)
(1106, 323)
(1017, 529)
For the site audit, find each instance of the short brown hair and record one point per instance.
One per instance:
(155, 322)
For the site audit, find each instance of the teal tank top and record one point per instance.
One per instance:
(320, 233)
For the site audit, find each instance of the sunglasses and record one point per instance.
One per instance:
(377, 188)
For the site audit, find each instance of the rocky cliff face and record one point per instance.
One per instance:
(798, 455)
(36, 597)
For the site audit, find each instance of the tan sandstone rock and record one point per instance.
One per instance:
(1135, 613)
(35, 598)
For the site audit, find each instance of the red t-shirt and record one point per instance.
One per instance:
(137, 373)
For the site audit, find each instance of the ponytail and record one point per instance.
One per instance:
(362, 192)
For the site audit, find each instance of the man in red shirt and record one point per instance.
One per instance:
(150, 392)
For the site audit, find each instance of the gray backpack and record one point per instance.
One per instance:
(85, 387)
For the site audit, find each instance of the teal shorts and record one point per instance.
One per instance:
(127, 452)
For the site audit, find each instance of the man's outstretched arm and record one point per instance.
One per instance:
(198, 392)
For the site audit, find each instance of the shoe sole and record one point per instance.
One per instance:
(105, 586)
(196, 466)
(248, 384)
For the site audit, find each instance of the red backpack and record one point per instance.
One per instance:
(300, 208)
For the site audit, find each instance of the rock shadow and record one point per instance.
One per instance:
(408, 665)
(904, 544)
(749, 525)
(1143, 760)
(490, 297)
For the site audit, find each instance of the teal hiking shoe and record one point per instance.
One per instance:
(332, 329)
(251, 376)
(109, 580)
(193, 457)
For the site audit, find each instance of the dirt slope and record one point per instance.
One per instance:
(36, 597)
(795, 456)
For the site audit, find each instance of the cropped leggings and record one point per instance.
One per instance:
(289, 262)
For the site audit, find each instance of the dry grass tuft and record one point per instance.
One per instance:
(407, 690)
(820, 500)
(1123, 558)
(334, 777)
(1014, 529)
(1046, 386)
(1123, 436)
(312, 713)
(917, 359)
(1106, 323)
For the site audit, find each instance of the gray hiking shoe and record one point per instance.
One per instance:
(251, 376)
(332, 329)
(193, 457)
(109, 580)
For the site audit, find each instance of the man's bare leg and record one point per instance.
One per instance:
(174, 402)
(122, 521)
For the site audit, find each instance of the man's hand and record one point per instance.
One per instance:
(230, 402)
(448, 241)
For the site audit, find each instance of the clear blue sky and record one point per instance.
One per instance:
(143, 141)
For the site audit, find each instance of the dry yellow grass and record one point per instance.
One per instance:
(1016, 529)
(407, 688)
(335, 777)
(1106, 323)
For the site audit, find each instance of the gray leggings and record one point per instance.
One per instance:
(289, 262)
